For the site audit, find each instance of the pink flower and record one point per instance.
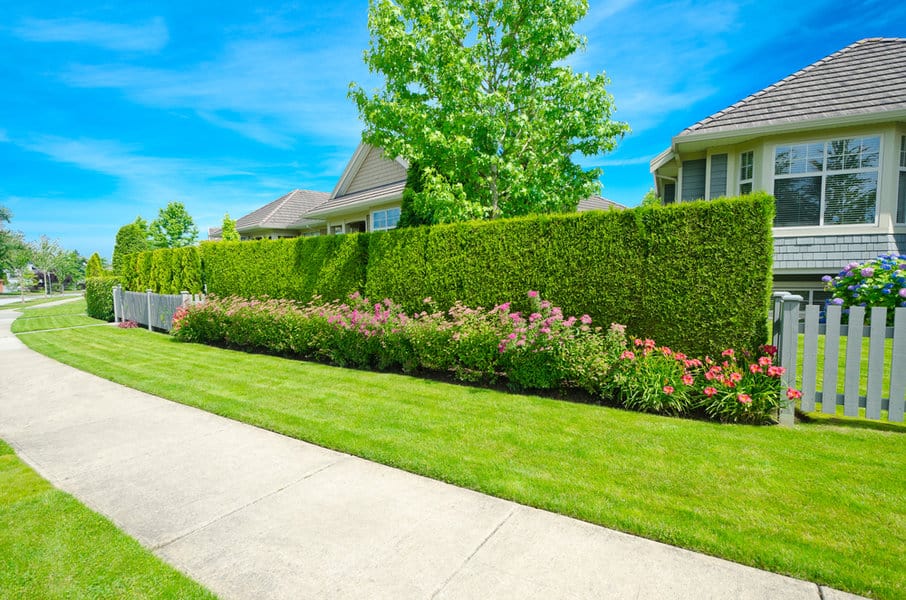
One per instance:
(776, 371)
(428, 300)
(668, 389)
(627, 355)
(727, 352)
(637, 342)
(534, 317)
(754, 368)
(533, 294)
(666, 351)
(769, 350)
(744, 398)
(585, 320)
(710, 391)
(765, 361)
(688, 379)
(679, 356)
(735, 377)
(793, 394)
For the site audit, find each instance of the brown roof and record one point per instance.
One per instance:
(389, 191)
(598, 203)
(866, 77)
(283, 213)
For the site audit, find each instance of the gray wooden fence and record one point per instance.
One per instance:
(155, 311)
(795, 325)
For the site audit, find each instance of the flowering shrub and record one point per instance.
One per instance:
(878, 282)
(127, 324)
(736, 388)
(543, 349)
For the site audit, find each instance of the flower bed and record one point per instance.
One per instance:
(541, 350)
(878, 282)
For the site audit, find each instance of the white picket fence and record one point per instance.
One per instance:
(155, 311)
(792, 322)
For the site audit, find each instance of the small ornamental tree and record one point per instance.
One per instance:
(173, 227)
(479, 94)
(229, 233)
(130, 239)
(94, 267)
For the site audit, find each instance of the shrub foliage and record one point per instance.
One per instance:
(694, 276)
(99, 297)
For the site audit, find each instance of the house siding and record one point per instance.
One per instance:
(829, 253)
(376, 170)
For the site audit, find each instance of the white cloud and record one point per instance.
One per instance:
(150, 36)
(625, 162)
(267, 90)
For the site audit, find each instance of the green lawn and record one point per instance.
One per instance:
(71, 314)
(820, 502)
(51, 546)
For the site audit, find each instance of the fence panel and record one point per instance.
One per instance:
(881, 358)
(148, 309)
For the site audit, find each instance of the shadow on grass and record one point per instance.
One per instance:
(821, 420)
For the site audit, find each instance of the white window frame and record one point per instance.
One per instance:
(824, 173)
(751, 166)
(901, 170)
(384, 210)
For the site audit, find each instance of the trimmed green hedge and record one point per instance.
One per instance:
(164, 271)
(301, 268)
(99, 297)
(694, 276)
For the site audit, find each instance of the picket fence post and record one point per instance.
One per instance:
(148, 293)
(789, 346)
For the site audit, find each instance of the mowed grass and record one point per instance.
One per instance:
(70, 314)
(30, 302)
(51, 546)
(819, 502)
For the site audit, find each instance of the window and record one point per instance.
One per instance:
(901, 195)
(746, 171)
(827, 183)
(385, 219)
(718, 176)
(693, 180)
(336, 229)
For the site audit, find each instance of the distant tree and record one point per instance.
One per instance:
(94, 267)
(173, 227)
(70, 268)
(477, 93)
(130, 238)
(650, 198)
(47, 255)
(9, 242)
(229, 233)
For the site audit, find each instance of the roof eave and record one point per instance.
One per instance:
(788, 126)
(364, 204)
(661, 159)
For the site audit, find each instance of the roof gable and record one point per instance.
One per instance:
(369, 168)
(284, 212)
(866, 77)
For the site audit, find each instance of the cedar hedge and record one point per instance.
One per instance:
(695, 276)
(99, 297)
(163, 271)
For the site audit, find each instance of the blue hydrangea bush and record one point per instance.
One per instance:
(877, 282)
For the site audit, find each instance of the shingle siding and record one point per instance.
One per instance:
(376, 170)
(829, 253)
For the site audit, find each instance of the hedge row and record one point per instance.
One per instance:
(99, 297)
(694, 276)
(164, 271)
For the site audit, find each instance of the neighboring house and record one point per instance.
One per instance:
(367, 197)
(829, 142)
(281, 218)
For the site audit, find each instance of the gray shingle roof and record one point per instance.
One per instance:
(598, 203)
(284, 212)
(390, 191)
(866, 77)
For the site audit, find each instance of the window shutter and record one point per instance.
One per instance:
(693, 180)
(718, 176)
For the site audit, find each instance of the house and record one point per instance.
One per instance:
(829, 142)
(367, 197)
(282, 218)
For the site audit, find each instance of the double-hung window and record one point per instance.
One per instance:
(746, 171)
(901, 194)
(382, 220)
(834, 182)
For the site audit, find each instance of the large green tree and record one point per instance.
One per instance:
(47, 255)
(478, 93)
(173, 227)
(130, 238)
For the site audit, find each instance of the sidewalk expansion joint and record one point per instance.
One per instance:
(474, 552)
(246, 505)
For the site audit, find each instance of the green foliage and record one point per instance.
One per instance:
(328, 266)
(650, 199)
(94, 267)
(99, 297)
(130, 239)
(478, 92)
(164, 271)
(229, 233)
(173, 227)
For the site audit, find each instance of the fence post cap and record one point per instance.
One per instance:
(149, 292)
(780, 294)
(184, 292)
(793, 298)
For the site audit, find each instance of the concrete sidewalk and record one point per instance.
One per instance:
(253, 514)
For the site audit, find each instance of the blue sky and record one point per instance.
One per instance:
(110, 110)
